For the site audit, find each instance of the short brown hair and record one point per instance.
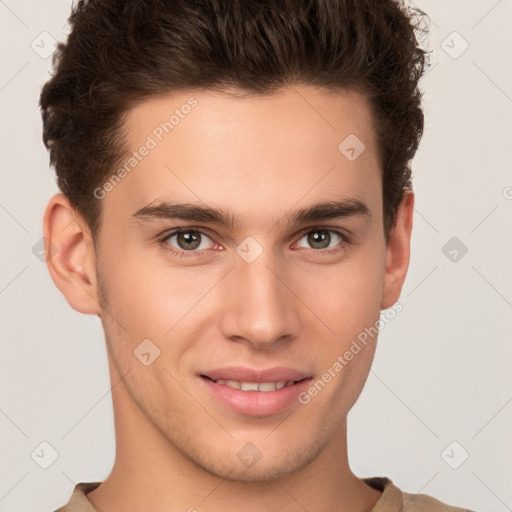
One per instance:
(122, 51)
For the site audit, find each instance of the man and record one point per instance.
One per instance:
(237, 209)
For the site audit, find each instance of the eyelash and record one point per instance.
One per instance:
(185, 254)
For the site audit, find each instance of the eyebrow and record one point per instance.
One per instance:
(195, 212)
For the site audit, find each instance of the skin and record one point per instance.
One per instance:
(260, 158)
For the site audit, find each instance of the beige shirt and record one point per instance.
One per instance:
(392, 499)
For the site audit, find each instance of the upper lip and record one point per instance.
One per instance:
(241, 374)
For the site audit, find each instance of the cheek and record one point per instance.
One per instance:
(347, 297)
(149, 296)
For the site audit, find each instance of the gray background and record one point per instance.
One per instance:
(442, 368)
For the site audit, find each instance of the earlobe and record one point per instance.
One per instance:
(398, 251)
(70, 255)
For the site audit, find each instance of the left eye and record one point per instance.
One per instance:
(321, 238)
(188, 240)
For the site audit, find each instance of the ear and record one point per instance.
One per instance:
(70, 255)
(398, 251)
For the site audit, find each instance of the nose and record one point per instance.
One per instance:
(259, 305)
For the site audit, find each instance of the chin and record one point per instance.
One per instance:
(263, 473)
(265, 469)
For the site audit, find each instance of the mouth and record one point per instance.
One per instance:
(255, 394)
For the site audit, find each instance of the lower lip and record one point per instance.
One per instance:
(256, 403)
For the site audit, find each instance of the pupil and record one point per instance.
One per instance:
(317, 237)
(188, 239)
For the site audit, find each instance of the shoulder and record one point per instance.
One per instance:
(78, 501)
(394, 499)
(424, 503)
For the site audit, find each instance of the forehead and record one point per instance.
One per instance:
(249, 152)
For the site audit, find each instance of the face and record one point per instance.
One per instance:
(260, 285)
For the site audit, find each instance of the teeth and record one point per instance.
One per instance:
(255, 386)
(249, 386)
(267, 386)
